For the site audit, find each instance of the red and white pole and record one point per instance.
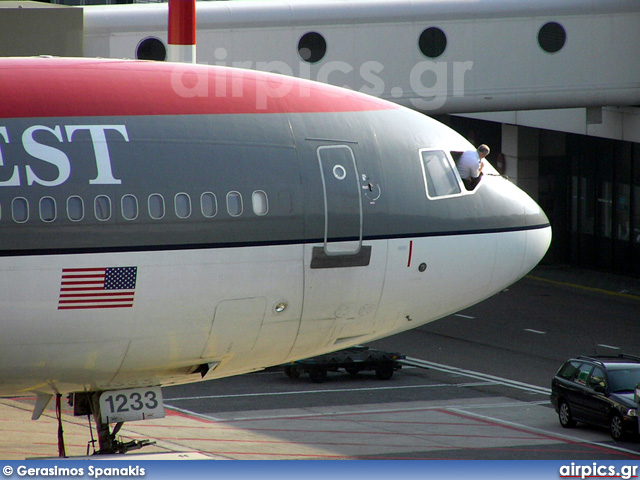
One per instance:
(182, 31)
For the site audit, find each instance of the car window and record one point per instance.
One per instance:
(569, 370)
(624, 380)
(597, 378)
(583, 374)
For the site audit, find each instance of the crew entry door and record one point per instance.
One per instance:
(342, 200)
(331, 313)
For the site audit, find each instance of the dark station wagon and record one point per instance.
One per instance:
(599, 390)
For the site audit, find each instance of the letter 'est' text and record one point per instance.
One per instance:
(45, 144)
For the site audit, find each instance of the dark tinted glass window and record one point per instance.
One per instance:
(75, 209)
(129, 207)
(569, 370)
(48, 211)
(312, 47)
(151, 48)
(156, 206)
(440, 178)
(183, 205)
(208, 204)
(20, 209)
(597, 378)
(583, 373)
(552, 37)
(234, 204)
(432, 42)
(624, 379)
(102, 207)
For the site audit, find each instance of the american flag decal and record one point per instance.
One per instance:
(82, 288)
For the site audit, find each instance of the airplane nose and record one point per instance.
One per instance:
(538, 242)
(519, 252)
(538, 236)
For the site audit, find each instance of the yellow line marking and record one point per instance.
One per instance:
(582, 287)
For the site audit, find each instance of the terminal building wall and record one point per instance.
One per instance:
(33, 28)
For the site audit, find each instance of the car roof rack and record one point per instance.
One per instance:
(630, 357)
(601, 358)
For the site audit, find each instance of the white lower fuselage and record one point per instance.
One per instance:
(221, 306)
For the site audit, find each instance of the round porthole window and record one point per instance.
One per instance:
(432, 42)
(552, 37)
(151, 48)
(312, 47)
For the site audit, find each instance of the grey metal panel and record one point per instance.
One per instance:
(164, 155)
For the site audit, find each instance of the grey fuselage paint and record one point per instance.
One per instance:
(222, 154)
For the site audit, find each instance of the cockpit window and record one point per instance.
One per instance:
(439, 175)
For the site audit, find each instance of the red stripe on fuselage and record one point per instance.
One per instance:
(65, 87)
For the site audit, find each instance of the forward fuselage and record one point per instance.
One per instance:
(160, 222)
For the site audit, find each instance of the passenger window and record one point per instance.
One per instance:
(260, 203)
(182, 203)
(47, 209)
(439, 175)
(156, 206)
(597, 378)
(129, 207)
(75, 209)
(208, 204)
(569, 370)
(583, 374)
(102, 207)
(234, 204)
(20, 210)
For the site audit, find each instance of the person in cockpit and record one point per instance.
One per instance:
(470, 166)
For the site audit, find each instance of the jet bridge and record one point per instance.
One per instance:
(439, 56)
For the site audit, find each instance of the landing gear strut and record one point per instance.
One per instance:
(88, 403)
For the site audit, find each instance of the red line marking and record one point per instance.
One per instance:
(169, 412)
(541, 435)
(73, 270)
(97, 294)
(75, 289)
(433, 456)
(89, 275)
